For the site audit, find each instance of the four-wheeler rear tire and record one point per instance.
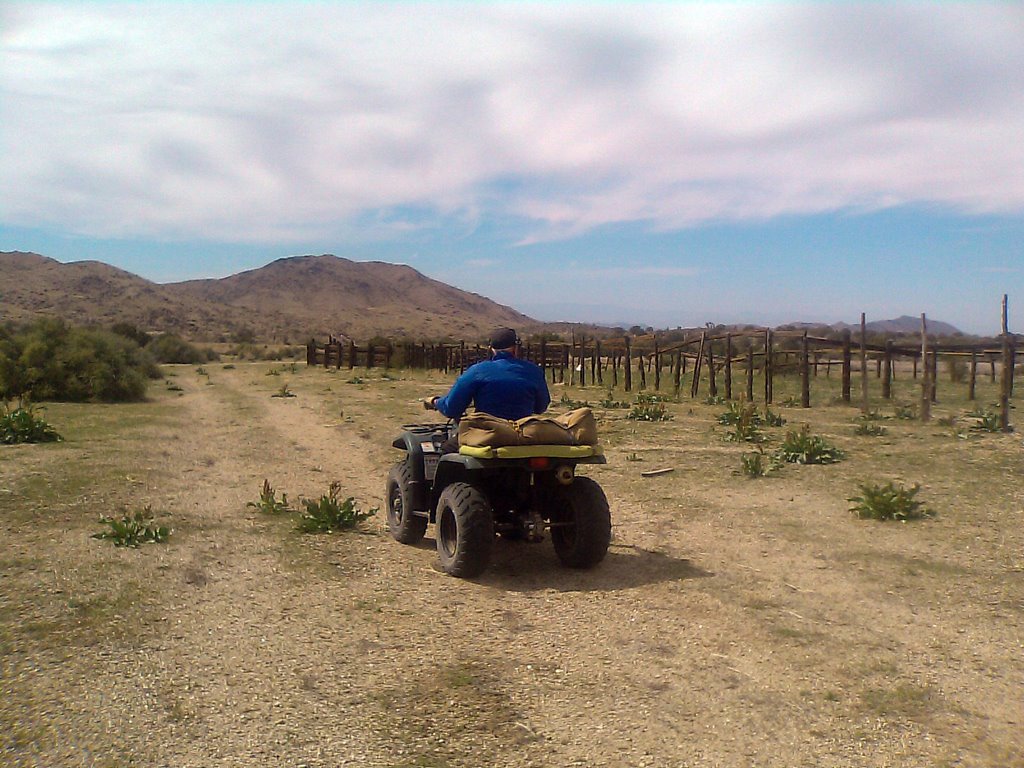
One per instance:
(405, 526)
(464, 530)
(581, 523)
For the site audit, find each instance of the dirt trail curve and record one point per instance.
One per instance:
(705, 639)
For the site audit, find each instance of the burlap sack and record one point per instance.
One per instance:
(581, 424)
(542, 430)
(480, 430)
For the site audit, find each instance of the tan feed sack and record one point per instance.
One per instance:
(481, 430)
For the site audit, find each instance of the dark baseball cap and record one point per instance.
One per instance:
(503, 338)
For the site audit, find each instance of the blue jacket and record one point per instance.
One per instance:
(504, 386)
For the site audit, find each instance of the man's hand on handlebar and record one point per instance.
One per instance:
(430, 404)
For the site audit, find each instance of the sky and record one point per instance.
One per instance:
(667, 164)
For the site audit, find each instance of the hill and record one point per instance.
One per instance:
(290, 299)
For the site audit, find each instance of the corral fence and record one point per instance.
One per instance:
(732, 364)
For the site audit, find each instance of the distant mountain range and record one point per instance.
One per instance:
(288, 300)
(904, 324)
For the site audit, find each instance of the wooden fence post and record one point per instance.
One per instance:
(697, 363)
(750, 371)
(657, 365)
(1006, 385)
(351, 355)
(926, 390)
(728, 366)
(595, 373)
(626, 370)
(677, 372)
(973, 376)
(712, 379)
(847, 360)
(805, 373)
(769, 366)
(863, 364)
(887, 371)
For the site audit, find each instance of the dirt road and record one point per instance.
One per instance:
(734, 623)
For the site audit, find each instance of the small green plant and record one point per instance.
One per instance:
(988, 421)
(758, 464)
(133, 530)
(744, 419)
(649, 411)
(269, 503)
(869, 428)
(273, 372)
(888, 502)
(872, 415)
(329, 514)
(801, 447)
(905, 412)
(355, 380)
(202, 371)
(568, 401)
(283, 391)
(610, 402)
(24, 425)
(228, 366)
(714, 400)
(633, 457)
(772, 419)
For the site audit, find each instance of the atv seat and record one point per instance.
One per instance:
(532, 451)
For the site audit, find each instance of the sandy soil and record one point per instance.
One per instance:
(733, 623)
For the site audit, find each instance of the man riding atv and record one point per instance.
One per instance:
(504, 386)
(518, 489)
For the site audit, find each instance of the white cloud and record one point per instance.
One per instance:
(301, 121)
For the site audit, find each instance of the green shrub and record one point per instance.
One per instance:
(758, 464)
(22, 425)
(649, 412)
(888, 502)
(801, 447)
(905, 412)
(573, 404)
(48, 360)
(170, 348)
(328, 514)
(987, 421)
(869, 428)
(133, 530)
(269, 503)
(610, 402)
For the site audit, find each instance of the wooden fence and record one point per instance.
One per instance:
(731, 364)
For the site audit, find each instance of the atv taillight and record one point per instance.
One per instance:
(539, 462)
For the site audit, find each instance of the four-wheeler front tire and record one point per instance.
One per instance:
(405, 526)
(464, 530)
(581, 523)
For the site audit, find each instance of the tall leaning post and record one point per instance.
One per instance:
(847, 359)
(926, 389)
(1007, 377)
(627, 372)
(863, 363)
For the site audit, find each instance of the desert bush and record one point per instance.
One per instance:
(905, 412)
(573, 404)
(888, 502)
(170, 348)
(801, 447)
(986, 421)
(23, 425)
(328, 514)
(133, 530)
(610, 402)
(48, 360)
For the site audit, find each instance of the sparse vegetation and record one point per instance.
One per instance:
(269, 504)
(869, 429)
(133, 530)
(283, 391)
(802, 447)
(24, 425)
(649, 408)
(888, 502)
(758, 464)
(329, 513)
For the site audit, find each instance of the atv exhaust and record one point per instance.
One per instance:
(564, 474)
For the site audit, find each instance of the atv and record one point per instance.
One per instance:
(476, 494)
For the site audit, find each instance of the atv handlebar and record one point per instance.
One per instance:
(430, 404)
